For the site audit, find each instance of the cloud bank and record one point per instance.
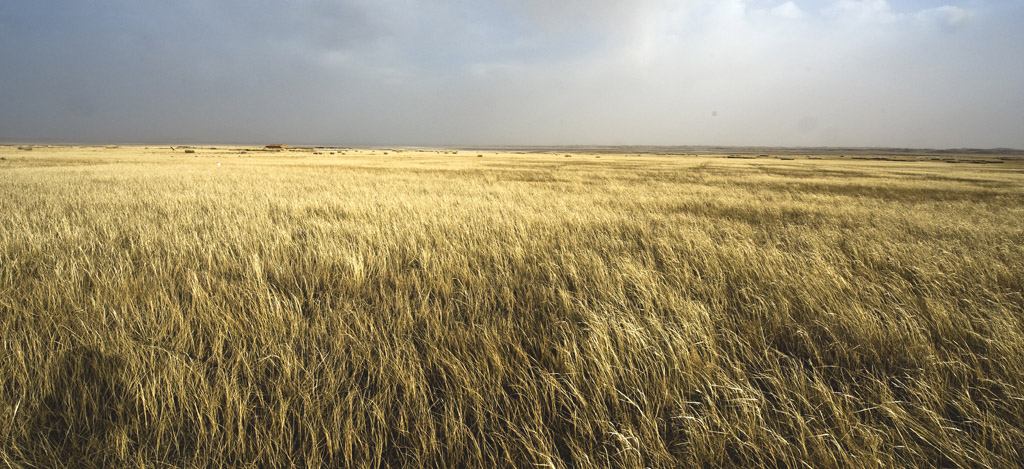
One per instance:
(731, 72)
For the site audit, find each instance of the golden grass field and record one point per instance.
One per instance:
(423, 308)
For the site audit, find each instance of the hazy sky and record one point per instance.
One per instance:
(661, 72)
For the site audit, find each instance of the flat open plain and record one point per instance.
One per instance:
(375, 307)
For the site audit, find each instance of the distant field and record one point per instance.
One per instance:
(375, 308)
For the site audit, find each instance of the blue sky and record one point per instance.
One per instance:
(661, 72)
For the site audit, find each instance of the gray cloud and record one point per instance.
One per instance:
(757, 72)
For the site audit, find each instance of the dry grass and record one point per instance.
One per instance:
(517, 310)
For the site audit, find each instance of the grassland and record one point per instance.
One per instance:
(436, 309)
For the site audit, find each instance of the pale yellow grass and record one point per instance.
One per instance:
(424, 308)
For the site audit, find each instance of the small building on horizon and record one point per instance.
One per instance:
(276, 146)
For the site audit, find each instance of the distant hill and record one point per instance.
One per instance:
(705, 150)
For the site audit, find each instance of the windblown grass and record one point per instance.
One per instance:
(419, 309)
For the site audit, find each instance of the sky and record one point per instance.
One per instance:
(924, 74)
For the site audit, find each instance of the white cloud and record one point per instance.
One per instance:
(879, 11)
(788, 10)
(946, 16)
(863, 10)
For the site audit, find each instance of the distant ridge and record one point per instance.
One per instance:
(637, 149)
(699, 150)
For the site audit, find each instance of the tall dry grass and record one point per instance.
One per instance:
(418, 309)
